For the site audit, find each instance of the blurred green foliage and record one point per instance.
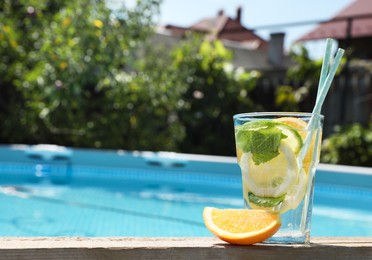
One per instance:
(76, 73)
(351, 145)
(62, 76)
(286, 98)
(304, 69)
(214, 92)
(303, 77)
(79, 74)
(304, 74)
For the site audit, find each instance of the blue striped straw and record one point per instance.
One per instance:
(325, 84)
(325, 64)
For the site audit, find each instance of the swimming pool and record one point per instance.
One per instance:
(56, 191)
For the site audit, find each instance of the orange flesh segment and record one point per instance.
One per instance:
(236, 221)
(241, 226)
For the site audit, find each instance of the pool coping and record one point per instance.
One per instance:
(178, 248)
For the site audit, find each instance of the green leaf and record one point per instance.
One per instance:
(263, 142)
(259, 158)
(266, 140)
(266, 202)
(243, 139)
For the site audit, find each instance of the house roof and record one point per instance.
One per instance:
(224, 28)
(360, 13)
(245, 55)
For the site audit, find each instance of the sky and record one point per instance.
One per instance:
(257, 13)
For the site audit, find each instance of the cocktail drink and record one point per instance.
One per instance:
(278, 155)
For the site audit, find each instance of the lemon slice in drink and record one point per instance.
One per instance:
(300, 126)
(290, 200)
(294, 139)
(272, 178)
(295, 194)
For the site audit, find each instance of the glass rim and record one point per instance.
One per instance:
(276, 114)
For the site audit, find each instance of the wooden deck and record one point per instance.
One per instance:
(178, 248)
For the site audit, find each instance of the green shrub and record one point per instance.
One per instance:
(350, 145)
(70, 75)
(213, 93)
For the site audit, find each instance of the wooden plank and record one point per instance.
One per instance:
(178, 248)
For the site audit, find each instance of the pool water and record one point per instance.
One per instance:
(98, 202)
(342, 211)
(128, 203)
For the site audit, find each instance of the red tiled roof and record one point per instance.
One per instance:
(234, 31)
(176, 30)
(361, 27)
(224, 28)
(209, 25)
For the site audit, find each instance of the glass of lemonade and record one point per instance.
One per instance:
(278, 167)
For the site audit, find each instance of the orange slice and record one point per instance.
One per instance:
(296, 123)
(241, 226)
(301, 125)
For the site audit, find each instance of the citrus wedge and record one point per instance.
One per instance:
(296, 123)
(295, 195)
(241, 226)
(280, 205)
(293, 139)
(273, 178)
(301, 125)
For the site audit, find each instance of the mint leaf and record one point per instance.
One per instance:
(254, 125)
(263, 142)
(244, 138)
(266, 202)
(266, 140)
(259, 158)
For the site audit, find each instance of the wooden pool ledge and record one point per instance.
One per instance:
(178, 248)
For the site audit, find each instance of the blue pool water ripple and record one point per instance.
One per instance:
(113, 202)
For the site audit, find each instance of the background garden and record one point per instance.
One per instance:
(79, 74)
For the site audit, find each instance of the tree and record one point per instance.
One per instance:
(68, 76)
(214, 93)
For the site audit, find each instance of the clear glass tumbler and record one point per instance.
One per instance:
(278, 153)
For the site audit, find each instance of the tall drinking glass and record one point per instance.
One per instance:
(278, 157)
